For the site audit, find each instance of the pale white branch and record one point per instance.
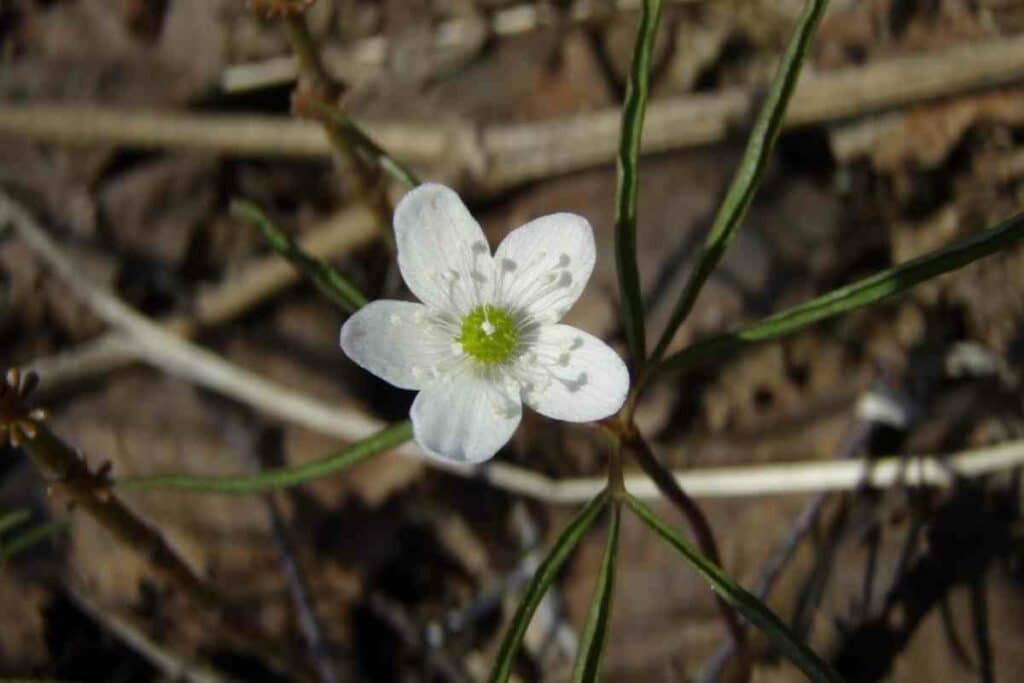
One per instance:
(257, 279)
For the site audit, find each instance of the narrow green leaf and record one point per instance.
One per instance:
(595, 633)
(743, 602)
(33, 536)
(328, 280)
(748, 175)
(539, 584)
(358, 139)
(633, 110)
(280, 478)
(852, 296)
(12, 519)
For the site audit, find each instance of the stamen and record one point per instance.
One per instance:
(541, 285)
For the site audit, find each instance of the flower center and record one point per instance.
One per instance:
(488, 335)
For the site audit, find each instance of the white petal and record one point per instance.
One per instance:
(465, 420)
(442, 252)
(392, 340)
(544, 265)
(588, 379)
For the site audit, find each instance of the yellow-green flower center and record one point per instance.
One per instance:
(488, 335)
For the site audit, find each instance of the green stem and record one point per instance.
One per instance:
(540, 583)
(748, 175)
(616, 480)
(633, 111)
(284, 477)
(853, 296)
(749, 606)
(357, 138)
(308, 54)
(346, 137)
(594, 638)
(695, 518)
(329, 281)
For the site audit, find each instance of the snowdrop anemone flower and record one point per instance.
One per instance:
(486, 338)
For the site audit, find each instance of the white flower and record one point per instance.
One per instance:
(486, 338)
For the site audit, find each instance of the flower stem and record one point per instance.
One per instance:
(329, 281)
(308, 54)
(633, 111)
(318, 91)
(693, 515)
(344, 134)
(616, 482)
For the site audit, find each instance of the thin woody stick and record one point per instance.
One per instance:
(177, 356)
